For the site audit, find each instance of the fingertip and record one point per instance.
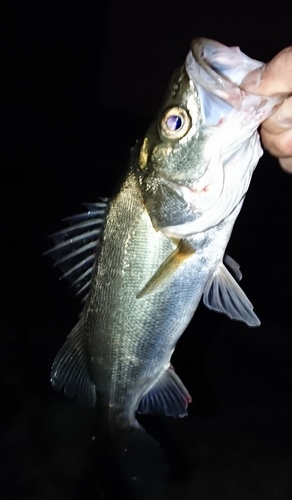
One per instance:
(286, 164)
(252, 80)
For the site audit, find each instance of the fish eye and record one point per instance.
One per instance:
(175, 123)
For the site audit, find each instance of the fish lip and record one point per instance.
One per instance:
(224, 88)
(197, 49)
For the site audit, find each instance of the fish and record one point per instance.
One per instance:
(143, 259)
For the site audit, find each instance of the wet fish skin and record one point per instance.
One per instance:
(118, 339)
(153, 267)
(128, 344)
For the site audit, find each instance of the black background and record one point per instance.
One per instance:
(81, 82)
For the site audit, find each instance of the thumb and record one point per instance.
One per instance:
(271, 78)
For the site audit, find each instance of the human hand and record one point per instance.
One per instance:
(276, 131)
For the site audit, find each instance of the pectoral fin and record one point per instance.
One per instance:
(224, 295)
(167, 268)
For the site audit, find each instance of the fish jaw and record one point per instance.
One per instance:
(218, 71)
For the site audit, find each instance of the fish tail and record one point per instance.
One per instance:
(131, 464)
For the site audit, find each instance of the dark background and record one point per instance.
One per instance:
(81, 82)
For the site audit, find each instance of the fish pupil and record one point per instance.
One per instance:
(174, 122)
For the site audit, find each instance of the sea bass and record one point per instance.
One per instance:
(145, 258)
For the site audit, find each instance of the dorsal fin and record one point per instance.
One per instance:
(223, 294)
(76, 246)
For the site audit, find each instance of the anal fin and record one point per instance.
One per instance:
(69, 370)
(168, 396)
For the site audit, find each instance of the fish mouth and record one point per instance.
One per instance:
(199, 53)
(205, 53)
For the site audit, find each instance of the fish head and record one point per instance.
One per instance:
(172, 156)
(198, 155)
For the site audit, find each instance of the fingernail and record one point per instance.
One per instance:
(252, 79)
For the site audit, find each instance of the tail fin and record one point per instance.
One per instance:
(131, 465)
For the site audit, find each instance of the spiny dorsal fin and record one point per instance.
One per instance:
(168, 396)
(223, 294)
(167, 268)
(76, 246)
(69, 370)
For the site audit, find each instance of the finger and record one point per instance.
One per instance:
(272, 78)
(281, 119)
(279, 145)
(286, 164)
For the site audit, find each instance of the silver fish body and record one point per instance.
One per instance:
(159, 253)
(127, 346)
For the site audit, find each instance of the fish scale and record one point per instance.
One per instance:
(128, 271)
(161, 240)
